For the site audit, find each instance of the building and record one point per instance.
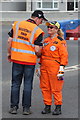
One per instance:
(12, 10)
(46, 5)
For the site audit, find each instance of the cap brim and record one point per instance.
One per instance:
(45, 19)
(48, 23)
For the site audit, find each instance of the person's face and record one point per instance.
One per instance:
(52, 29)
(39, 21)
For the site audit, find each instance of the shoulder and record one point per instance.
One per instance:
(38, 29)
(46, 39)
(61, 39)
(15, 22)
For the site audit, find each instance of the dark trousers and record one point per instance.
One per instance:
(18, 72)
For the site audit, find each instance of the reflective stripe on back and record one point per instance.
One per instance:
(33, 32)
(32, 35)
(23, 51)
(22, 41)
(17, 26)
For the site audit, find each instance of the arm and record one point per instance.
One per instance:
(9, 47)
(63, 53)
(64, 58)
(38, 45)
(10, 33)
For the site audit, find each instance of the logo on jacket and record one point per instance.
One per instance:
(52, 48)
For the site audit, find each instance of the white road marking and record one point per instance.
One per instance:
(72, 68)
(67, 69)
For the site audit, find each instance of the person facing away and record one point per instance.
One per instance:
(24, 41)
(54, 57)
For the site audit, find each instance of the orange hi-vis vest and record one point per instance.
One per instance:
(24, 35)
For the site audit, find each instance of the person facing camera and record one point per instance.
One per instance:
(54, 57)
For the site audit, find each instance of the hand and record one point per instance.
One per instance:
(38, 72)
(38, 50)
(61, 71)
(9, 57)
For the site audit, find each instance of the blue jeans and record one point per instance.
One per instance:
(18, 72)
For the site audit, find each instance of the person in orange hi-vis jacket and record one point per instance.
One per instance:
(25, 39)
(54, 57)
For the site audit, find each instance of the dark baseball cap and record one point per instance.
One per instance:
(39, 14)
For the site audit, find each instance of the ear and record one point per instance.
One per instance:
(57, 29)
(36, 19)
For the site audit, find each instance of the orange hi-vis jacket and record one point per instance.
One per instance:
(55, 49)
(24, 35)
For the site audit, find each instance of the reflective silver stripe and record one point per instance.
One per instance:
(21, 41)
(33, 32)
(17, 26)
(32, 35)
(23, 51)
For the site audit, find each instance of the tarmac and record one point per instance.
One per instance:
(70, 90)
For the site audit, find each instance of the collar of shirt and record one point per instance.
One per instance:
(55, 35)
(32, 21)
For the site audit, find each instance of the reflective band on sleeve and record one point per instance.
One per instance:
(22, 51)
(21, 41)
(33, 32)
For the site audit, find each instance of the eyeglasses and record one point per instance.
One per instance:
(51, 27)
